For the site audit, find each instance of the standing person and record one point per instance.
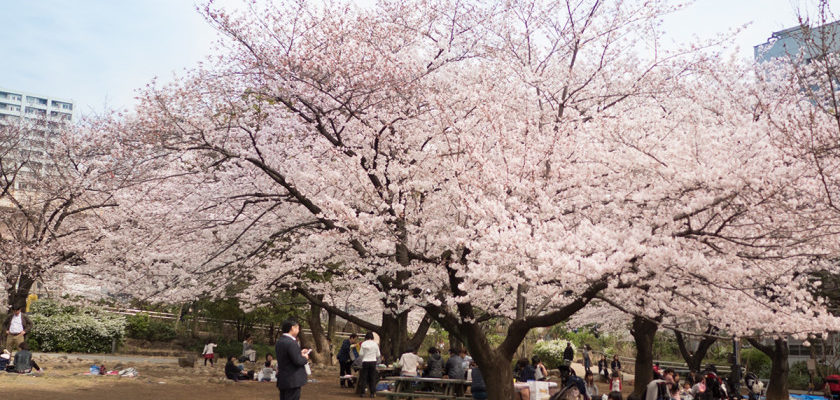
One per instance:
(569, 352)
(370, 357)
(615, 365)
(291, 373)
(16, 326)
(345, 361)
(587, 361)
(434, 368)
(454, 366)
(207, 353)
(409, 363)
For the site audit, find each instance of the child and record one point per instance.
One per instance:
(208, 352)
(615, 383)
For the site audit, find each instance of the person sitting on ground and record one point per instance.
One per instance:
(617, 396)
(24, 363)
(434, 367)
(454, 366)
(268, 373)
(523, 371)
(410, 362)
(233, 371)
(248, 352)
(540, 372)
(207, 353)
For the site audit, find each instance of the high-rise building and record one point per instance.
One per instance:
(805, 41)
(35, 120)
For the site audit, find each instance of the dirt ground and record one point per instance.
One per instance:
(64, 379)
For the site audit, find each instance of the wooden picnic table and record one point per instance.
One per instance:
(414, 386)
(384, 373)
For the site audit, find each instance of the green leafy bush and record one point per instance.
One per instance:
(70, 329)
(141, 326)
(757, 362)
(799, 377)
(551, 352)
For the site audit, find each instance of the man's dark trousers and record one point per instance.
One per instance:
(290, 394)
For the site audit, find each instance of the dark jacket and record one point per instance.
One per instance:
(27, 324)
(477, 381)
(434, 367)
(569, 353)
(455, 367)
(290, 371)
(232, 371)
(23, 361)
(344, 353)
(615, 365)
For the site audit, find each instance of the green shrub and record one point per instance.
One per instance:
(799, 377)
(757, 362)
(141, 326)
(69, 329)
(551, 352)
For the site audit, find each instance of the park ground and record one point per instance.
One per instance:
(159, 379)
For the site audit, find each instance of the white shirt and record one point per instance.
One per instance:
(409, 363)
(369, 351)
(17, 324)
(208, 348)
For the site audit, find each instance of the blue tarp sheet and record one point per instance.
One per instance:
(806, 397)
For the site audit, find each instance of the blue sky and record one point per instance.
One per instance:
(97, 52)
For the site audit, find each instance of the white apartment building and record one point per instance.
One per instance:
(38, 117)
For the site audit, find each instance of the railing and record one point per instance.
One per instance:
(174, 317)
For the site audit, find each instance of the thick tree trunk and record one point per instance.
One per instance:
(643, 332)
(777, 389)
(694, 360)
(320, 346)
(495, 366)
(20, 289)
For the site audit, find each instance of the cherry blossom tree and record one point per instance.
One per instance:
(54, 184)
(481, 162)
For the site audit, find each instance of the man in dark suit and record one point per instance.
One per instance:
(291, 374)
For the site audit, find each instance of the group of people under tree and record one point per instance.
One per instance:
(16, 326)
